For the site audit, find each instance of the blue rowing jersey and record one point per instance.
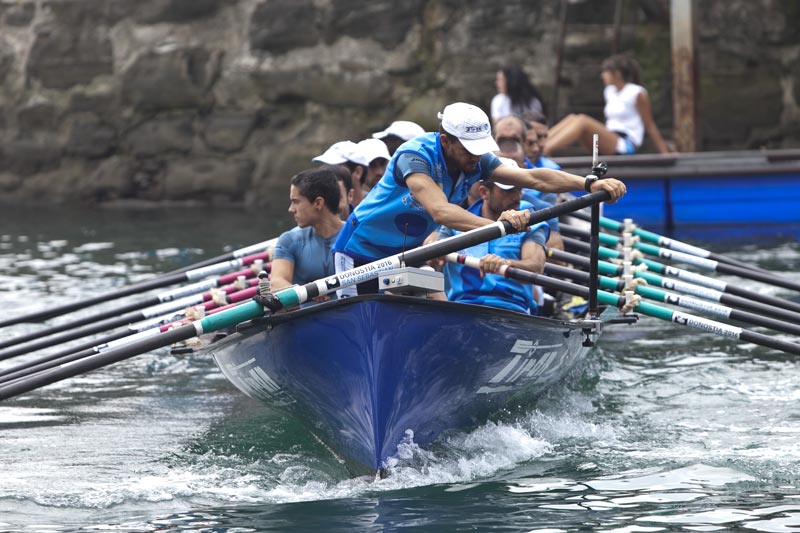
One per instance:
(390, 220)
(464, 284)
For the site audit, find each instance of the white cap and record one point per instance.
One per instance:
(368, 150)
(510, 162)
(337, 154)
(471, 125)
(405, 129)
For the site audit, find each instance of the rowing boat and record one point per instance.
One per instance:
(368, 373)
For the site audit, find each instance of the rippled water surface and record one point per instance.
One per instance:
(663, 428)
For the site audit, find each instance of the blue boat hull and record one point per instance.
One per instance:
(362, 371)
(706, 195)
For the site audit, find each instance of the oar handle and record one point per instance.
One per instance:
(540, 215)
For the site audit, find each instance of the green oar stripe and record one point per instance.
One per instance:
(230, 317)
(769, 306)
(654, 266)
(689, 303)
(655, 251)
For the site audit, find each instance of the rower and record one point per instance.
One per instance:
(303, 254)
(426, 180)
(520, 250)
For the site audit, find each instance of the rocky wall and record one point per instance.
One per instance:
(220, 101)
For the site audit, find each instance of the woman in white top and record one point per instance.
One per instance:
(628, 115)
(516, 95)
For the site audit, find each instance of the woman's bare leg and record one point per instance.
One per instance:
(563, 123)
(580, 129)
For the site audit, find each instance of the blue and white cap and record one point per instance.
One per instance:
(471, 125)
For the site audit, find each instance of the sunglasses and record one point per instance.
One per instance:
(508, 144)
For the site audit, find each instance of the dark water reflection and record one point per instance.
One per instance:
(663, 429)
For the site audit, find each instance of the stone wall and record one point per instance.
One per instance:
(220, 101)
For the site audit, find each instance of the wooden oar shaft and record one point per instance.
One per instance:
(767, 305)
(288, 298)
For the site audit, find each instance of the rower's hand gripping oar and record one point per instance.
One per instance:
(292, 296)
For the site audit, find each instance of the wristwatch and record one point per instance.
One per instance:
(587, 185)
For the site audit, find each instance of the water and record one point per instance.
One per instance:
(663, 429)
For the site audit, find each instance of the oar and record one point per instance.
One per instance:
(645, 308)
(133, 312)
(666, 242)
(290, 297)
(137, 288)
(122, 320)
(241, 252)
(131, 334)
(651, 293)
(700, 262)
(705, 291)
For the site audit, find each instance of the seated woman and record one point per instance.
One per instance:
(516, 95)
(303, 254)
(627, 112)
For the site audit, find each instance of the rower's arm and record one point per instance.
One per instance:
(281, 274)
(427, 193)
(551, 180)
(532, 257)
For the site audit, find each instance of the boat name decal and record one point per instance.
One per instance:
(699, 322)
(359, 274)
(524, 365)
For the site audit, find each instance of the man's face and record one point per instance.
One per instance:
(455, 152)
(541, 132)
(301, 208)
(345, 197)
(499, 200)
(508, 129)
(375, 171)
(532, 145)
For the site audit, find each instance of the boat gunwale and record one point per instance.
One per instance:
(279, 318)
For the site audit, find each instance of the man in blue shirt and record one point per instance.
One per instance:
(303, 254)
(519, 250)
(426, 180)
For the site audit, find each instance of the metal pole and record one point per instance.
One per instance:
(594, 241)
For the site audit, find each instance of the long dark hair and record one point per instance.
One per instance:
(627, 67)
(520, 89)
